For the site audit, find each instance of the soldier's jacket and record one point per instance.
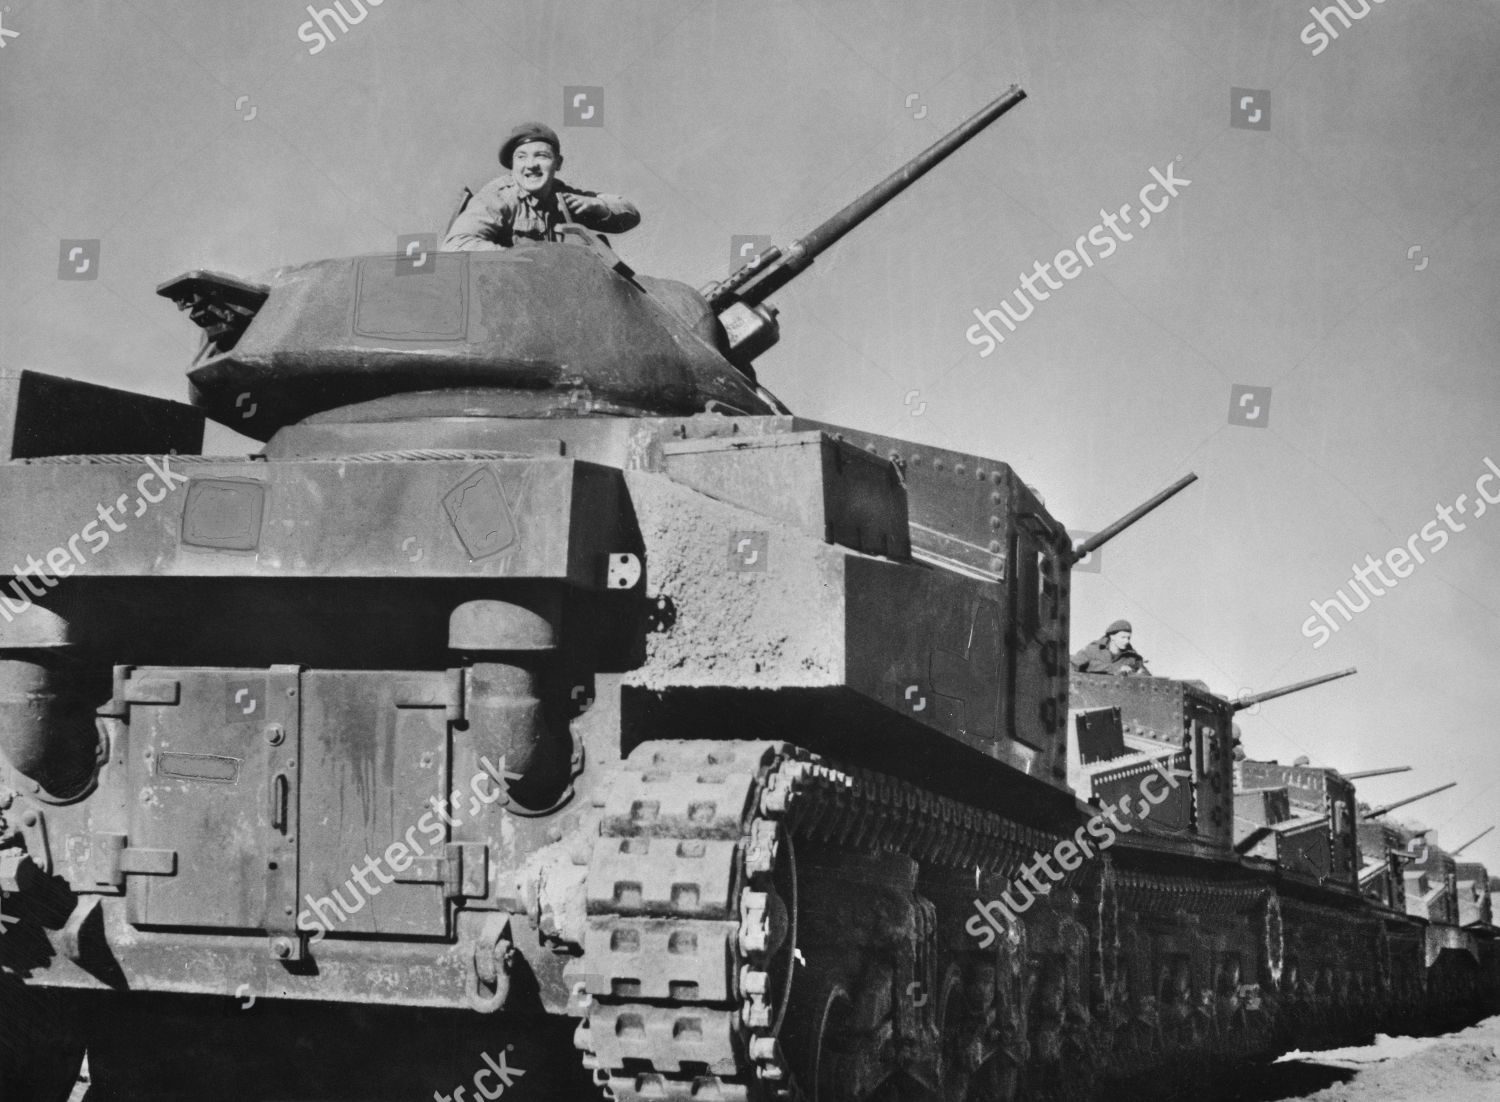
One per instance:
(1095, 658)
(502, 212)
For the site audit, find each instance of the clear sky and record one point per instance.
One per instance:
(1336, 244)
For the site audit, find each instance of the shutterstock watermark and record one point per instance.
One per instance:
(315, 918)
(1321, 31)
(318, 31)
(998, 916)
(1321, 625)
(500, 1073)
(1107, 236)
(62, 560)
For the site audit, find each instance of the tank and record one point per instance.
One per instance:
(546, 710)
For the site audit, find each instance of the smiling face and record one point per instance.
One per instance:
(535, 165)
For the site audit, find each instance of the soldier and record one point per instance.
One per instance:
(531, 201)
(1112, 653)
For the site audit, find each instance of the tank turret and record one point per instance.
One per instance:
(1474, 905)
(1302, 815)
(541, 330)
(1398, 861)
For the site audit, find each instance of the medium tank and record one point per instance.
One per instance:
(546, 711)
(543, 694)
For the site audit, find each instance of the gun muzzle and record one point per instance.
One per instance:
(752, 285)
(1271, 694)
(1099, 539)
(1363, 773)
(1376, 812)
(1472, 840)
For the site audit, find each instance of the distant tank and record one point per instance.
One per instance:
(547, 711)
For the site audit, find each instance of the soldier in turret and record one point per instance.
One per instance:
(530, 202)
(1112, 653)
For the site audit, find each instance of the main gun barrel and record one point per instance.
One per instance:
(1099, 539)
(778, 267)
(1271, 694)
(1363, 773)
(1376, 812)
(1472, 840)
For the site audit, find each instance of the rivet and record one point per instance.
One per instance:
(959, 468)
(282, 948)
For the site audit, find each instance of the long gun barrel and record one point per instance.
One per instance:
(1271, 694)
(744, 291)
(1376, 812)
(1471, 841)
(1362, 774)
(1099, 539)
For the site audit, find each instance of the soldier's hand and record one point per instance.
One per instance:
(584, 205)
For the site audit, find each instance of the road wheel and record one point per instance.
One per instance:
(953, 1071)
(817, 1037)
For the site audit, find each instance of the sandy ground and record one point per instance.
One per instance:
(1455, 1067)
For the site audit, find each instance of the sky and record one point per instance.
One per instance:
(1330, 245)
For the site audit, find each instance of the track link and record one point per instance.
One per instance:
(688, 958)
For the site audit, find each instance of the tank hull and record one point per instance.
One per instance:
(671, 755)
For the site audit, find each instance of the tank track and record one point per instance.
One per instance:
(689, 951)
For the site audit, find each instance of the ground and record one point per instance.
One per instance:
(1455, 1067)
